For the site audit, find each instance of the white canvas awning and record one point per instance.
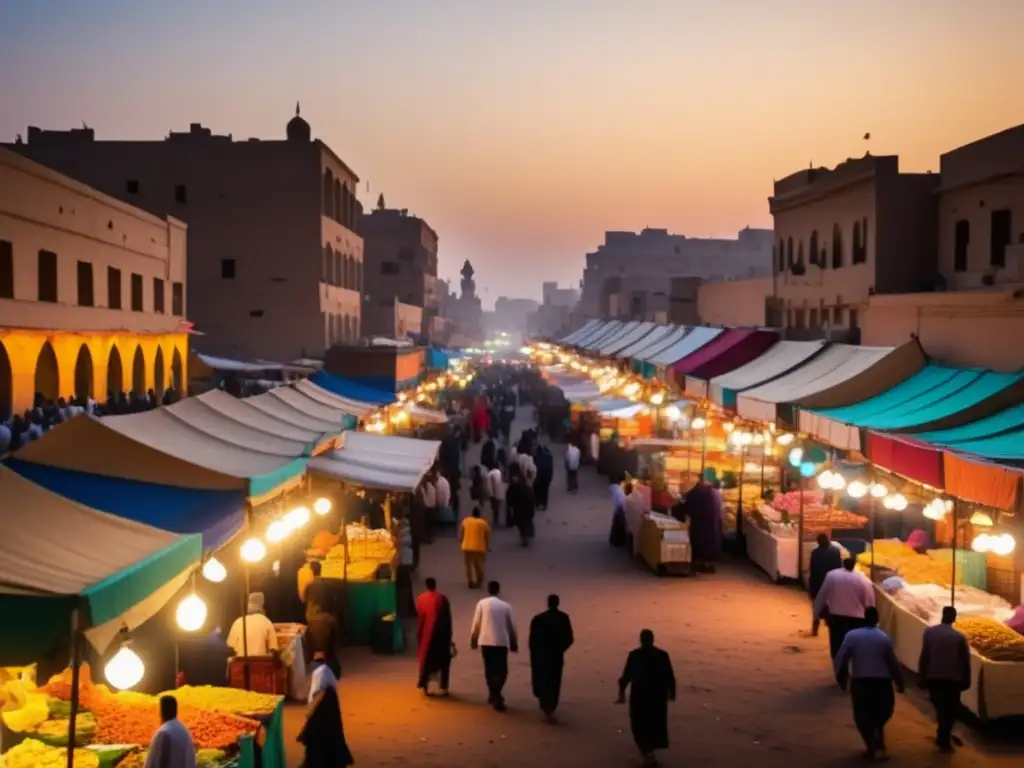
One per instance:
(657, 334)
(687, 345)
(594, 340)
(588, 327)
(639, 331)
(347, 405)
(240, 410)
(655, 348)
(841, 365)
(781, 358)
(379, 461)
(623, 331)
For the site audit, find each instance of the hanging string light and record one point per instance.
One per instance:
(125, 669)
(214, 571)
(191, 613)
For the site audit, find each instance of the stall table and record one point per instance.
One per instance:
(997, 687)
(291, 639)
(775, 555)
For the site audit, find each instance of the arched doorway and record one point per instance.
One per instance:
(115, 373)
(139, 372)
(158, 373)
(83, 373)
(176, 373)
(47, 373)
(6, 384)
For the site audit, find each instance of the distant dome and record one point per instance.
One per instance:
(298, 129)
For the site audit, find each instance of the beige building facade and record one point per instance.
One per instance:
(400, 253)
(275, 259)
(734, 303)
(93, 292)
(845, 234)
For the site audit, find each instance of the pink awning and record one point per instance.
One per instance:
(735, 347)
(914, 459)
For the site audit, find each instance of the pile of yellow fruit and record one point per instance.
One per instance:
(32, 713)
(912, 567)
(34, 754)
(992, 639)
(231, 701)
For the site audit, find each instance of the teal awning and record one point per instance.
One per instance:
(934, 395)
(56, 555)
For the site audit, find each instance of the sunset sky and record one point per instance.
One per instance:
(521, 130)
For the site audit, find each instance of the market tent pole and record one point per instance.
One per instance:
(952, 582)
(245, 606)
(873, 512)
(76, 664)
(800, 533)
(739, 502)
(704, 443)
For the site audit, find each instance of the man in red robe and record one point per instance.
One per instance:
(434, 637)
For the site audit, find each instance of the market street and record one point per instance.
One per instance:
(752, 689)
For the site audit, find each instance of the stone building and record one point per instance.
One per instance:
(275, 262)
(92, 291)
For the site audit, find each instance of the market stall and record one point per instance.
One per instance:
(394, 466)
(778, 360)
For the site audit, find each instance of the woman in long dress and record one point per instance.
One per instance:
(323, 734)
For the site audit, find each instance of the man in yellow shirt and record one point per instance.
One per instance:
(475, 540)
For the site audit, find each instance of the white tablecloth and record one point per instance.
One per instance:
(293, 655)
(774, 556)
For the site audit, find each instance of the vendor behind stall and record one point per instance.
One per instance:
(260, 637)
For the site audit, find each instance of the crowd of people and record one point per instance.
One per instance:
(18, 430)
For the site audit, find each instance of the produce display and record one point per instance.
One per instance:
(231, 701)
(819, 517)
(367, 549)
(927, 601)
(119, 718)
(32, 753)
(992, 639)
(912, 567)
(323, 543)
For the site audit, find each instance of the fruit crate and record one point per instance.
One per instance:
(265, 676)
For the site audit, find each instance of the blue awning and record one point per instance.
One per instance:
(437, 360)
(351, 389)
(216, 515)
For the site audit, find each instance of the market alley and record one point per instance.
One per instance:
(753, 689)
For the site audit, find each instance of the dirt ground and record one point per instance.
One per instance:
(751, 688)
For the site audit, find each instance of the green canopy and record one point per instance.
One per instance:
(57, 555)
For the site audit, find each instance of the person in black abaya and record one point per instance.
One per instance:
(545, 464)
(520, 499)
(648, 674)
(323, 735)
(550, 637)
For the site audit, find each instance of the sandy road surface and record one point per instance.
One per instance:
(752, 689)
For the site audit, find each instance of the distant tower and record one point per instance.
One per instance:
(298, 129)
(380, 202)
(468, 284)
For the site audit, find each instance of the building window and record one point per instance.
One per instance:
(181, 194)
(1001, 236)
(789, 253)
(339, 270)
(837, 316)
(328, 194)
(798, 318)
(136, 293)
(227, 269)
(158, 295)
(812, 251)
(858, 243)
(853, 320)
(6, 270)
(48, 276)
(389, 268)
(961, 242)
(177, 299)
(813, 320)
(406, 254)
(132, 186)
(255, 313)
(86, 297)
(780, 257)
(113, 288)
(837, 247)
(328, 265)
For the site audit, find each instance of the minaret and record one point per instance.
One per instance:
(468, 284)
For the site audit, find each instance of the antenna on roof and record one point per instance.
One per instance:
(296, 109)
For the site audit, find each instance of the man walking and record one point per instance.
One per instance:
(475, 542)
(494, 632)
(496, 493)
(846, 594)
(550, 638)
(572, 467)
(171, 746)
(869, 651)
(945, 670)
(824, 559)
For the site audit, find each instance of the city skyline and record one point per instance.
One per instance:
(522, 134)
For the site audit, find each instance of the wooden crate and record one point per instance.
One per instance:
(265, 676)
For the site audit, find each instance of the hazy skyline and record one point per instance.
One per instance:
(521, 131)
